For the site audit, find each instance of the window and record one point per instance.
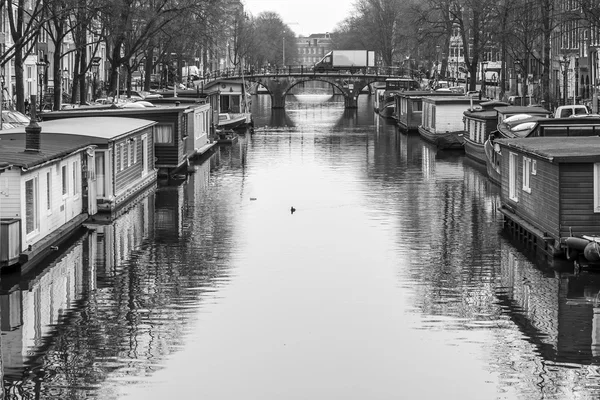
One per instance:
(31, 206)
(49, 191)
(163, 134)
(512, 177)
(121, 158)
(65, 185)
(76, 178)
(134, 145)
(129, 152)
(597, 187)
(526, 174)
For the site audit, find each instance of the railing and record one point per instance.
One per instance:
(301, 70)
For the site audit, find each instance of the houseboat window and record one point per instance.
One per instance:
(145, 159)
(163, 134)
(129, 152)
(417, 105)
(100, 188)
(75, 178)
(596, 187)
(123, 154)
(49, 191)
(512, 177)
(134, 145)
(63, 175)
(31, 206)
(526, 174)
(118, 159)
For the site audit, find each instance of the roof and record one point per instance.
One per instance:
(64, 136)
(481, 114)
(142, 113)
(424, 93)
(12, 149)
(522, 110)
(558, 149)
(451, 99)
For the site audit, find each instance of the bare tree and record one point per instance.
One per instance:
(25, 20)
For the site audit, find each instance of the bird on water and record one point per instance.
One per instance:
(292, 210)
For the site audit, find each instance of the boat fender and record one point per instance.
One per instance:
(576, 243)
(592, 251)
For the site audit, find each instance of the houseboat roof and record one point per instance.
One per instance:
(556, 149)
(480, 114)
(451, 99)
(12, 149)
(424, 93)
(522, 110)
(111, 111)
(100, 129)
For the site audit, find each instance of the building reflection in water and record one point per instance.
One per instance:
(62, 318)
(31, 307)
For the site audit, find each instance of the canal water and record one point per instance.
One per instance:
(390, 280)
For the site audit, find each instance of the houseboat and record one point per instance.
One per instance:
(549, 189)
(42, 196)
(529, 127)
(62, 172)
(511, 119)
(123, 155)
(409, 107)
(479, 122)
(442, 120)
(182, 130)
(230, 98)
(386, 103)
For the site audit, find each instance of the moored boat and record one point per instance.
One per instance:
(532, 126)
(442, 121)
(386, 104)
(479, 122)
(231, 121)
(409, 107)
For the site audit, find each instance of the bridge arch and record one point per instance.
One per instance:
(349, 86)
(279, 82)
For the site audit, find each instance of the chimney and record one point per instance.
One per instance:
(33, 131)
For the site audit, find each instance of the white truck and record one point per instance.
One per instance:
(349, 60)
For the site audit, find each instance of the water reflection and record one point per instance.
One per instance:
(391, 275)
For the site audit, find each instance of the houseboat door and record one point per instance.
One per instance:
(92, 202)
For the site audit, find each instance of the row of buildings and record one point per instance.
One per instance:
(573, 68)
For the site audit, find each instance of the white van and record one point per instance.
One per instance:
(571, 110)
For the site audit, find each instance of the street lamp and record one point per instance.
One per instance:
(41, 65)
(564, 64)
(95, 67)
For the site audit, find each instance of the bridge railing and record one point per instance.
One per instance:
(299, 70)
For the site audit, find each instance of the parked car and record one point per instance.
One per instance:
(571, 111)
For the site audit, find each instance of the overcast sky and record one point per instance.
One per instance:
(305, 17)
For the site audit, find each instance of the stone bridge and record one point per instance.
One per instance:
(280, 82)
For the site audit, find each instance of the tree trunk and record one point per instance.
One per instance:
(148, 68)
(57, 95)
(19, 82)
(82, 75)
